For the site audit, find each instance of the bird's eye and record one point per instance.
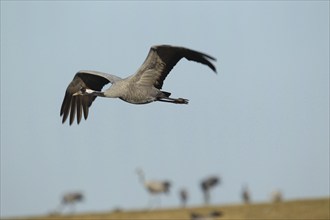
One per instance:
(83, 89)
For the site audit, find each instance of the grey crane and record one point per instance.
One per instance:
(154, 187)
(206, 185)
(246, 197)
(183, 193)
(70, 199)
(140, 88)
(276, 196)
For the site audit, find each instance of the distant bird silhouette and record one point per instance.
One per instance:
(276, 196)
(210, 216)
(183, 193)
(246, 197)
(140, 88)
(153, 187)
(206, 185)
(70, 199)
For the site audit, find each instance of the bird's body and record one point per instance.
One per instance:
(132, 93)
(153, 186)
(73, 197)
(183, 193)
(70, 199)
(140, 88)
(157, 187)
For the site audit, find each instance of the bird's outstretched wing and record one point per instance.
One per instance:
(160, 61)
(77, 104)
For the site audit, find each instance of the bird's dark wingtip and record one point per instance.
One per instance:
(212, 67)
(210, 57)
(206, 57)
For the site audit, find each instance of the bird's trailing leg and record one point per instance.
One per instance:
(154, 202)
(207, 196)
(172, 100)
(165, 97)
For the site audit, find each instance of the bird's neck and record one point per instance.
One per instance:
(99, 93)
(115, 91)
(141, 177)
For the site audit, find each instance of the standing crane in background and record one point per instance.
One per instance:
(70, 199)
(183, 194)
(154, 187)
(246, 197)
(206, 185)
(276, 196)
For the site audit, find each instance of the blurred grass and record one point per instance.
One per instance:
(298, 209)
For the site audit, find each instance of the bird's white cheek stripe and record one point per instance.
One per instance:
(89, 91)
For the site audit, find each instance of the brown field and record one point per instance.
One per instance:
(296, 209)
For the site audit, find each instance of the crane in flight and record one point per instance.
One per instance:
(140, 88)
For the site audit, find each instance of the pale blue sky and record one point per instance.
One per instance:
(262, 121)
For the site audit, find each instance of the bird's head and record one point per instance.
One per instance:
(84, 91)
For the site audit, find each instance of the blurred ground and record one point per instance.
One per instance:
(298, 209)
